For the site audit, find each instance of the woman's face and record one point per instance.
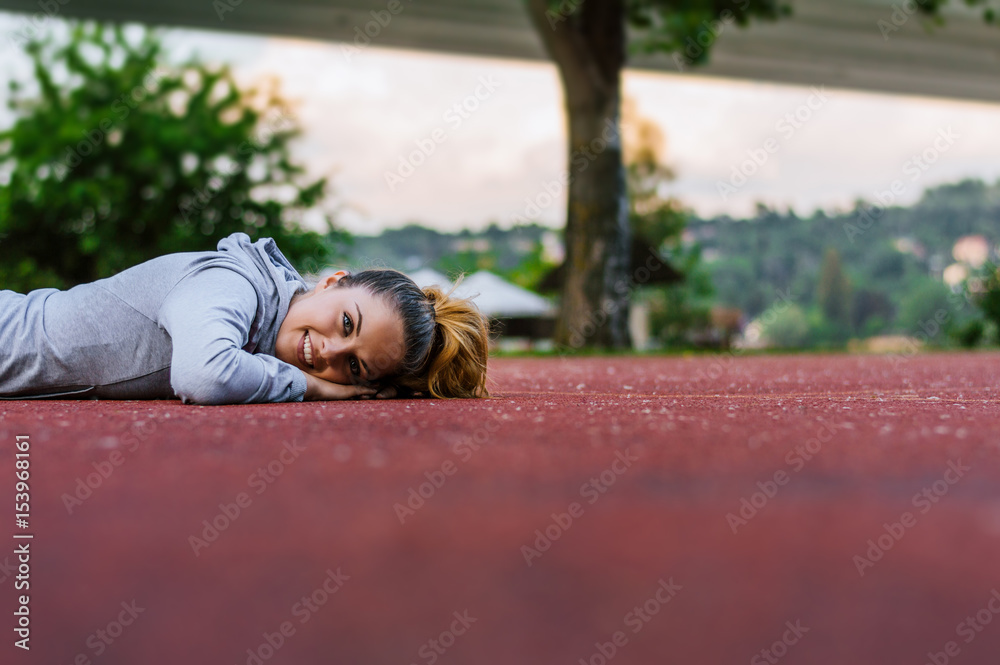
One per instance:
(341, 334)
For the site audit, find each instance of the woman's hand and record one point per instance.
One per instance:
(390, 391)
(321, 389)
(387, 393)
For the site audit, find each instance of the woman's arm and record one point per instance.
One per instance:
(320, 389)
(208, 315)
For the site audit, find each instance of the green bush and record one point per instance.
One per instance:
(969, 334)
(986, 295)
(788, 329)
(923, 306)
(115, 158)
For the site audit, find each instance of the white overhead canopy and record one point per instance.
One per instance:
(430, 277)
(497, 297)
(837, 43)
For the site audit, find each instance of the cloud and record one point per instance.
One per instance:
(361, 116)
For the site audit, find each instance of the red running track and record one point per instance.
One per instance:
(870, 531)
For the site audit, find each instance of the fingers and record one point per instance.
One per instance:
(365, 392)
(387, 393)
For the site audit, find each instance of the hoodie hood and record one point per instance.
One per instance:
(278, 281)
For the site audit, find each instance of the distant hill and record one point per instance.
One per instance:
(414, 246)
(889, 254)
(893, 259)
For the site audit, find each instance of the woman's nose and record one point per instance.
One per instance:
(332, 349)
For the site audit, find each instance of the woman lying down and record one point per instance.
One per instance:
(236, 326)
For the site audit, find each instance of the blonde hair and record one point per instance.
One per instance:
(456, 364)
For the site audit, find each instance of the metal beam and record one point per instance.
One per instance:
(836, 43)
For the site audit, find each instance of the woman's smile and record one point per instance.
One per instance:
(306, 351)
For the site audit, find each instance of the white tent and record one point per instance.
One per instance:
(498, 298)
(430, 277)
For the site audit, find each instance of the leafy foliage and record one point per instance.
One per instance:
(690, 27)
(919, 306)
(116, 158)
(757, 264)
(788, 329)
(983, 288)
(686, 27)
(750, 260)
(658, 220)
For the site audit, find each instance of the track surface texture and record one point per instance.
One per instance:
(795, 509)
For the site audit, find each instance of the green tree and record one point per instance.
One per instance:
(983, 288)
(531, 269)
(115, 158)
(653, 216)
(678, 309)
(659, 220)
(587, 40)
(871, 309)
(927, 303)
(788, 329)
(833, 293)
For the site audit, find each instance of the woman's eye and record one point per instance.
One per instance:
(348, 325)
(354, 366)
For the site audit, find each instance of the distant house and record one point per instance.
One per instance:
(970, 253)
(972, 250)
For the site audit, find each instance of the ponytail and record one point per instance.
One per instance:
(456, 365)
(446, 338)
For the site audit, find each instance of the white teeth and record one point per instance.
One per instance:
(307, 349)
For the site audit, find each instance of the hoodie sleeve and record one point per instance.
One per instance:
(208, 315)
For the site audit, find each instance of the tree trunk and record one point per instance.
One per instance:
(587, 42)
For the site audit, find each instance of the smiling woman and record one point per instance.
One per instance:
(240, 325)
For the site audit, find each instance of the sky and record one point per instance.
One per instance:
(732, 143)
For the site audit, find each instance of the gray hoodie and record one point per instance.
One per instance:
(199, 326)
